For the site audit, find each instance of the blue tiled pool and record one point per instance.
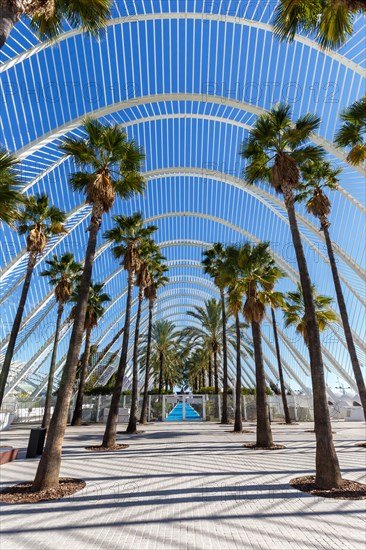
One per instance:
(176, 414)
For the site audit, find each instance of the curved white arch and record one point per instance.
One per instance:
(184, 15)
(59, 131)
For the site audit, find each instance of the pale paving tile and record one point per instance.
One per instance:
(188, 487)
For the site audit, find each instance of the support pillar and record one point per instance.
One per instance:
(163, 408)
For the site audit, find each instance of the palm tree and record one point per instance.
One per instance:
(149, 255)
(62, 273)
(213, 260)
(295, 315)
(275, 148)
(330, 20)
(318, 177)
(128, 234)
(94, 311)
(259, 275)
(209, 333)
(163, 350)
(47, 16)
(10, 197)
(39, 221)
(110, 166)
(230, 277)
(276, 303)
(352, 132)
(150, 292)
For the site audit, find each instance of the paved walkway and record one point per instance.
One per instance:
(188, 486)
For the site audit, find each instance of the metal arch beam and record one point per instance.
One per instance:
(265, 198)
(167, 309)
(58, 132)
(136, 18)
(199, 116)
(259, 194)
(292, 273)
(197, 299)
(47, 346)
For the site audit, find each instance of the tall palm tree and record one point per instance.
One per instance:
(109, 166)
(128, 234)
(209, 332)
(330, 20)
(213, 260)
(352, 132)
(150, 292)
(230, 278)
(295, 314)
(278, 302)
(47, 16)
(39, 221)
(274, 150)
(163, 350)
(149, 253)
(94, 311)
(10, 196)
(319, 177)
(63, 273)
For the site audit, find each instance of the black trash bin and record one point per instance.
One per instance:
(36, 442)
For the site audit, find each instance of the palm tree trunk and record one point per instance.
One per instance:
(16, 325)
(328, 473)
(280, 370)
(77, 418)
(210, 370)
(161, 372)
(224, 416)
(109, 438)
(238, 424)
(143, 418)
(132, 424)
(344, 316)
(264, 432)
(216, 373)
(48, 471)
(47, 407)
(10, 11)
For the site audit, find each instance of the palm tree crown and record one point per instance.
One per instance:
(317, 176)
(352, 132)
(10, 197)
(294, 312)
(129, 234)
(110, 165)
(330, 20)
(39, 221)
(47, 16)
(95, 307)
(276, 147)
(63, 272)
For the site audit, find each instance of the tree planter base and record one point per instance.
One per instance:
(272, 448)
(22, 493)
(360, 445)
(350, 490)
(100, 448)
(7, 454)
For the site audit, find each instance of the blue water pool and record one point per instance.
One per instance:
(176, 414)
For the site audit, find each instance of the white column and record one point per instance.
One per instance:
(184, 407)
(204, 407)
